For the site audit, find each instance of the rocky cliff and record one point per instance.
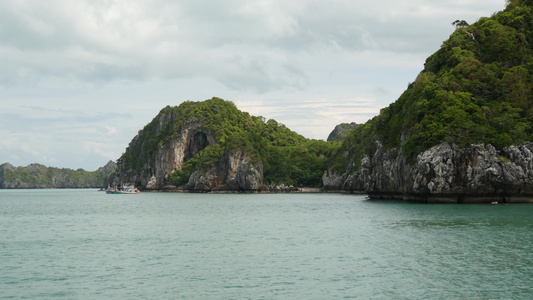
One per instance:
(234, 171)
(445, 173)
(213, 146)
(180, 137)
(39, 176)
(462, 131)
(156, 167)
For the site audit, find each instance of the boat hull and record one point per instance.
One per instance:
(122, 191)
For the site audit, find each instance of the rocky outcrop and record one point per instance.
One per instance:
(341, 131)
(235, 171)
(154, 172)
(36, 176)
(445, 173)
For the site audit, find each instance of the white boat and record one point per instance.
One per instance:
(126, 189)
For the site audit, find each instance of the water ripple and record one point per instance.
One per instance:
(82, 244)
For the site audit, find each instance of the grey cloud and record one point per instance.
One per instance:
(24, 30)
(246, 45)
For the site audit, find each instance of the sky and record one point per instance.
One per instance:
(80, 78)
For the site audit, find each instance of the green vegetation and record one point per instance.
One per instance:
(477, 88)
(39, 176)
(286, 156)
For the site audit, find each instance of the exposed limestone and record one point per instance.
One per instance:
(234, 172)
(152, 183)
(445, 173)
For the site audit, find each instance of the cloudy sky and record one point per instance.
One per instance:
(79, 78)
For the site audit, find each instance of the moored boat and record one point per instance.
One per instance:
(126, 189)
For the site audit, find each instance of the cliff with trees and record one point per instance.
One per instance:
(461, 130)
(212, 145)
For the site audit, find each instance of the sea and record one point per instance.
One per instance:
(85, 244)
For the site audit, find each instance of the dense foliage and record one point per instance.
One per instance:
(477, 88)
(287, 157)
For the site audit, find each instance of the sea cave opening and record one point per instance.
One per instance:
(196, 144)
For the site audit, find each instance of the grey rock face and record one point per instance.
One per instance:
(444, 173)
(234, 171)
(153, 174)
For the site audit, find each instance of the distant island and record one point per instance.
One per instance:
(39, 176)
(342, 131)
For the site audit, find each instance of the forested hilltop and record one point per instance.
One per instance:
(476, 89)
(213, 145)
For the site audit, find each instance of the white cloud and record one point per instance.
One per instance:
(101, 149)
(41, 154)
(111, 130)
(312, 118)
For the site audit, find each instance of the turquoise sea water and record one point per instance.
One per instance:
(84, 244)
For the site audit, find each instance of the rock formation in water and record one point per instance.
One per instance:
(213, 146)
(462, 130)
(38, 176)
(445, 173)
(233, 171)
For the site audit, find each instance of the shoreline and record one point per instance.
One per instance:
(409, 198)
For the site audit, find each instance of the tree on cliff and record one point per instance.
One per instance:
(460, 24)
